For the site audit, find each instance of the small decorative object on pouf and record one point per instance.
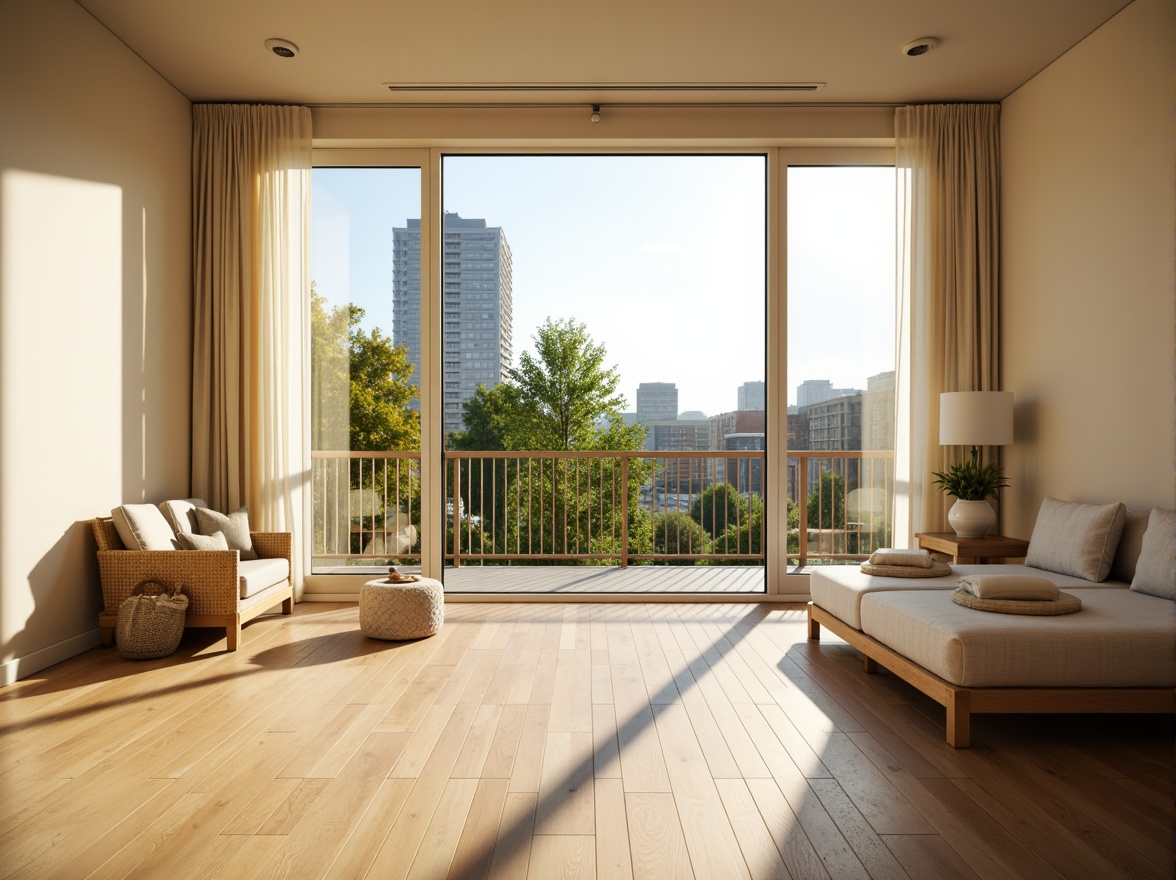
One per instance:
(401, 607)
(151, 622)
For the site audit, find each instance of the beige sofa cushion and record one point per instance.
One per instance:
(215, 541)
(1076, 539)
(1120, 638)
(181, 514)
(142, 527)
(1154, 571)
(235, 527)
(261, 574)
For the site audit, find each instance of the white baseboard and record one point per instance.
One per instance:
(22, 667)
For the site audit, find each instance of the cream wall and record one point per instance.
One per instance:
(95, 280)
(1088, 248)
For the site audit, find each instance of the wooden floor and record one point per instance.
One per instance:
(553, 741)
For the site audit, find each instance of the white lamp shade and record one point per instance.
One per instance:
(976, 418)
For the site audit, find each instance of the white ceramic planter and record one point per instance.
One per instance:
(971, 519)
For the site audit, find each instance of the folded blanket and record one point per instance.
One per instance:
(1009, 586)
(905, 558)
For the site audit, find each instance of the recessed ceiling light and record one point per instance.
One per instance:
(921, 46)
(281, 48)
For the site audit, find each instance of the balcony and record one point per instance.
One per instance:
(599, 521)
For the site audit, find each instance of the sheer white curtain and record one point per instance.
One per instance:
(948, 167)
(251, 314)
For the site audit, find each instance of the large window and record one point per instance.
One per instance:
(366, 366)
(841, 335)
(574, 376)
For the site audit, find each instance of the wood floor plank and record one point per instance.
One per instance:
(562, 857)
(435, 854)
(565, 785)
(475, 848)
(759, 849)
(614, 861)
(656, 840)
(512, 848)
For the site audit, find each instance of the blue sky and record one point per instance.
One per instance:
(661, 257)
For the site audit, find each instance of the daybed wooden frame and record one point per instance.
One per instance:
(962, 702)
(210, 579)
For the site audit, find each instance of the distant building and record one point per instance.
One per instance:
(657, 402)
(745, 474)
(752, 395)
(693, 415)
(681, 475)
(878, 412)
(476, 316)
(812, 391)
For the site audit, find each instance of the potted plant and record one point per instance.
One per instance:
(971, 484)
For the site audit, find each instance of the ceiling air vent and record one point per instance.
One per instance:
(765, 88)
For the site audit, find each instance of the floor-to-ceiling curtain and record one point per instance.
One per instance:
(251, 307)
(948, 167)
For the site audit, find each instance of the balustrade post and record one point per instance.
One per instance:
(624, 511)
(802, 538)
(457, 513)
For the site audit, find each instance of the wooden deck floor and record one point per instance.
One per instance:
(557, 579)
(554, 741)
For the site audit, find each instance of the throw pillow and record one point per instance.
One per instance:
(235, 527)
(1076, 539)
(192, 541)
(181, 514)
(1154, 571)
(142, 527)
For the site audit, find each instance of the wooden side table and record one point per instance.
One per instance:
(950, 547)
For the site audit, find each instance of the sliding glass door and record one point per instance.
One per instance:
(604, 397)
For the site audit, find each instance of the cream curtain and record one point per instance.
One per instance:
(948, 169)
(251, 314)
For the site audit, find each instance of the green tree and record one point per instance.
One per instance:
(678, 533)
(368, 372)
(826, 503)
(717, 507)
(563, 398)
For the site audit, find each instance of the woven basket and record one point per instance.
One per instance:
(151, 621)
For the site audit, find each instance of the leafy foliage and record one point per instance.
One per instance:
(361, 384)
(717, 507)
(971, 481)
(679, 533)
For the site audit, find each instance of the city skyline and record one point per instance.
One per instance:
(630, 287)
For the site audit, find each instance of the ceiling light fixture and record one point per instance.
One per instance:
(918, 47)
(595, 117)
(281, 48)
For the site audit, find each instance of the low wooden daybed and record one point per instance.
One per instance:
(1118, 654)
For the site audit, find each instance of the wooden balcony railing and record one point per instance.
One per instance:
(609, 508)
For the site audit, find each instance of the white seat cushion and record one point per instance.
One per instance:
(261, 574)
(1119, 638)
(839, 588)
(142, 527)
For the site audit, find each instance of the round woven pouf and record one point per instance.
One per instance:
(397, 612)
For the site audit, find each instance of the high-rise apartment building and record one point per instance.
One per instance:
(657, 402)
(476, 307)
(751, 396)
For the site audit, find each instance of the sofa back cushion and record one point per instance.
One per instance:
(181, 514)
(1154, 571)
(1076, 539)
(1130, 543)
(142, 527)
(235, 527)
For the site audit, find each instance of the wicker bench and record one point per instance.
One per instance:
(211, 580)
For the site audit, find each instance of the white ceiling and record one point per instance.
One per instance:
(213, 50)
